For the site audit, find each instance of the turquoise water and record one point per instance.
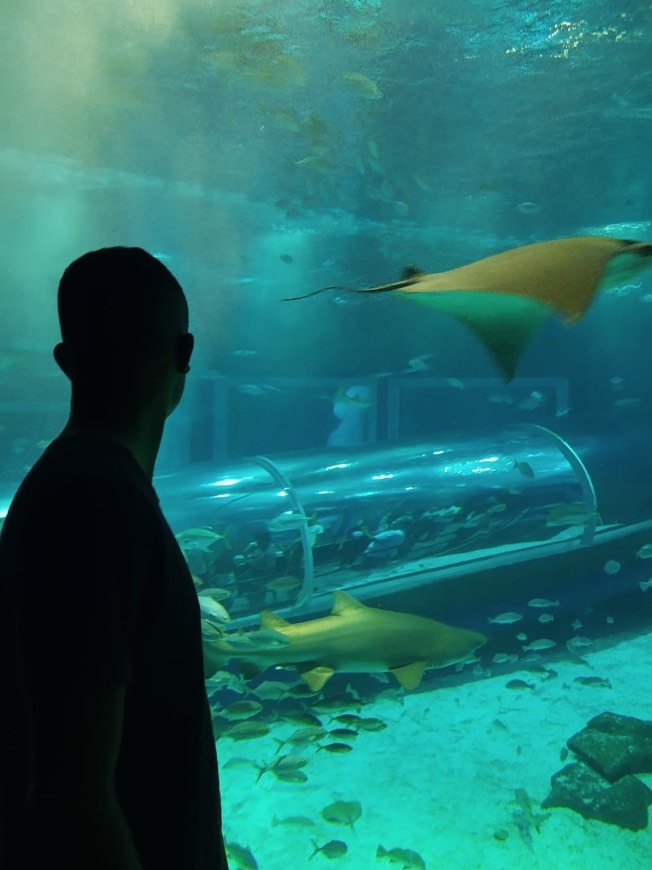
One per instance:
(266, 150)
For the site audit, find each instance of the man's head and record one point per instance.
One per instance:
(124, 325)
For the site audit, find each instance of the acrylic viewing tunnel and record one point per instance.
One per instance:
(457, 528)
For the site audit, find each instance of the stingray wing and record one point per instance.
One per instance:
(505, 298)
(504, 324)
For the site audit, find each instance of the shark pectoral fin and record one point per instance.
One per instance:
(409, 676)
(316, 678)
(271, 620)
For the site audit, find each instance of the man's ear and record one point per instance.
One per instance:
(63, 359)
(185, 345)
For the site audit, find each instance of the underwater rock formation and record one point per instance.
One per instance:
(623, 803)
(615, 745)
(601, 785)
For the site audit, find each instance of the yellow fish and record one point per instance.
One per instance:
(365, 86)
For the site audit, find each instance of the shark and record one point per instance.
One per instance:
(504, 299)
(353, 638)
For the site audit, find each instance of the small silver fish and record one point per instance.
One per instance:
(237, 761)
(213, 609)
(572, 514)
(247, 730)
(531, 402)
(505, 618)
(593, 681)
(528, 207)
(343, 813)
(419, 363)
(542, 602)
(500, 398)
(504, 658)
(332, 849)
(242, 855)
(579, 642)
(451, 511)
(645, 584)
(271, 690)
(200, 538)
(542, 643)
(645, 552)
(287, 521)
(294, 822)
(241, 710)
(546, 617)
(285, 767)
(407, 859)
(284, 583)
(524, 468)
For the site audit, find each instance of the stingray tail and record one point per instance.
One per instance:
(410, 275)
(312, 293)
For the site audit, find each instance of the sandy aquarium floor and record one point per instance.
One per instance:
(440, 779)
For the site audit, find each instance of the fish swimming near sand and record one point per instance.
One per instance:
(241, 710)
(504, 299)
(343, 813)
(353, 638)
(332, 849)
(242, 855)
(406, 859)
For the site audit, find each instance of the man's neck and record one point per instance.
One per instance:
(142, 440)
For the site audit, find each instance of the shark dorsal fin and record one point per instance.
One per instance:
(343, 602)
(271, 620)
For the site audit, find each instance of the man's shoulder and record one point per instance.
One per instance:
(74, 464)
(80, 482)
(88, 457)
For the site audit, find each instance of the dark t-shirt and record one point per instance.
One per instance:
(94, 591)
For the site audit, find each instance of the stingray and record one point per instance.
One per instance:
(504, 299)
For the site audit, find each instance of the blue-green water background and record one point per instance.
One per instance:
(239, 142)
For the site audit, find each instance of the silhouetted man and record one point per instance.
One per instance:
(106, 743)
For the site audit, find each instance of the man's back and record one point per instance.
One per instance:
(95, 598)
